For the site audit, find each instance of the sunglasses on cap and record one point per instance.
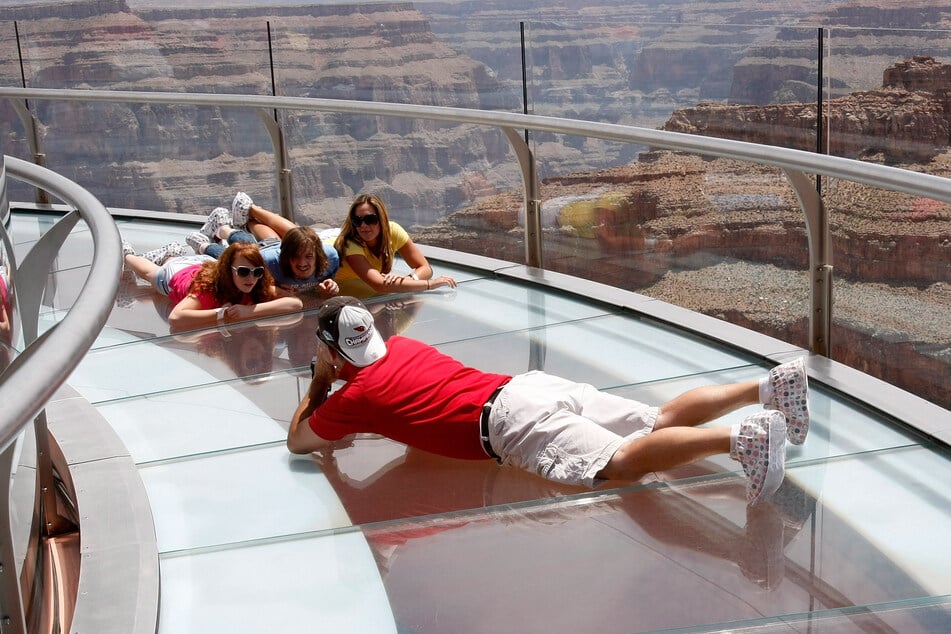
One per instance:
(244, 271)
(369, 219)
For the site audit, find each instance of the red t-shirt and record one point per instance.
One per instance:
(415, 395)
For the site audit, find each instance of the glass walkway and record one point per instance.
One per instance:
(375, 537)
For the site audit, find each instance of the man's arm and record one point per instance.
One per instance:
(301, 438)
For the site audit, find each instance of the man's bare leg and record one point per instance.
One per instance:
(758, 444)
(665, 449)
(703, 404)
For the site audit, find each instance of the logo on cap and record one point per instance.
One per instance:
(363, 335)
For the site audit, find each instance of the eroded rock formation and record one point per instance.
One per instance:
(905, 121)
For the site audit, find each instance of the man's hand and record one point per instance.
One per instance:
(300, 437)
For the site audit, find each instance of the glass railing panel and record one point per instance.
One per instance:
(184, 159)
(164, 158)
(885, 96)
(133, 48)
(10, 314)
(425, 172)
(710, 79)
(10, 60)
(892, 287)
(389, 53)
(13, 139)
(714, 236)
(891, 273)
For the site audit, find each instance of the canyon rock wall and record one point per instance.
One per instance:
(196, 157)
(904, 121)
(613, 61)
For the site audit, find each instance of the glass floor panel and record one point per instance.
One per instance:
(376, 537)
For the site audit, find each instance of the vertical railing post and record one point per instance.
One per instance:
(820, 262)
(284, 183)
(28, 119)
(533, 206)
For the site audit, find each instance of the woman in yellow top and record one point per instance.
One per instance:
(368, 243)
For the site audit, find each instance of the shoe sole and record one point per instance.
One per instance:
(240, 213)
(801, 422)
(776, 468)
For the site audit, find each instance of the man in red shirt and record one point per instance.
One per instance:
(409, 391)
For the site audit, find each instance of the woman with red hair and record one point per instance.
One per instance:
(207, 292)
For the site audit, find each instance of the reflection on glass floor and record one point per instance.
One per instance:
(374, 537)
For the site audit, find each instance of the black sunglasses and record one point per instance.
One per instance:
(244, 271)
(369, 219)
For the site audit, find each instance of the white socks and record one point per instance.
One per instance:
(765, 390)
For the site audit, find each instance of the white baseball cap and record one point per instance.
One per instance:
(345, 324)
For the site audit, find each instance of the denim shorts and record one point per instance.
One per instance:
(562, 430)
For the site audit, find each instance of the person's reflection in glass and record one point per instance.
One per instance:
(400, 482)
(249, 349)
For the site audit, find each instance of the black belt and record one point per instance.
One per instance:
(484, 426)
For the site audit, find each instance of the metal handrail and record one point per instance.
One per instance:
(60, 349)
(882, 176)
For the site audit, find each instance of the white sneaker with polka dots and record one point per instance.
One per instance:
(759, 445)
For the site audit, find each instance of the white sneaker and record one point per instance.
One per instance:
(170, 250)
(197, 241)
(759, 445)
(790, 386)
(176, 250)
(218, 218)
(240, 208)
(127, 249)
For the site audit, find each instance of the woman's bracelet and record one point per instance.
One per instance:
(427, 285)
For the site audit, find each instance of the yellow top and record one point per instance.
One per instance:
(350, 283)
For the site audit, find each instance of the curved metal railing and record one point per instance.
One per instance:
(32, 378)
(56, 352)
